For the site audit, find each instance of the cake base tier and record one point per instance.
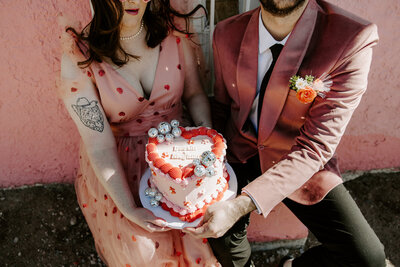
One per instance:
(176, 222)
(198, 213)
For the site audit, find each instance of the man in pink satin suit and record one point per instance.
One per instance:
(281, 149)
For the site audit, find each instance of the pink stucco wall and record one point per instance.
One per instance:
(39, 142)
(372, 139)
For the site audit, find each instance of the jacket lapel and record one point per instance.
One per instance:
(246, 72)
(287, 65)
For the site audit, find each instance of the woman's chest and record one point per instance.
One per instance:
(141, 73)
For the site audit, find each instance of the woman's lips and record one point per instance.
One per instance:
(132, 11)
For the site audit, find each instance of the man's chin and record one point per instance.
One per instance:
(281, 8)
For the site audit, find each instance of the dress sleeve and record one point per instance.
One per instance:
(73, 52)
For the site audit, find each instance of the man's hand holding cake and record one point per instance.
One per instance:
(221, 216)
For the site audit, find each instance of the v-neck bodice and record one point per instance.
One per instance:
(113, 69)
(129, 112)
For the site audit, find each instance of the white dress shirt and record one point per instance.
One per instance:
(264, 62)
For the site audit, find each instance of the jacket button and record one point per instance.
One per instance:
(261, 147)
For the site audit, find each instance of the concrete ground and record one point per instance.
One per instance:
(43, 226)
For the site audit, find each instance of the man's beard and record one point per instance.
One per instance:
(281, 8)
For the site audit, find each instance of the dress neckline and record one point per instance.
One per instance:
(131, 87)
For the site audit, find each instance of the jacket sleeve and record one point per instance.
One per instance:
(324, 126)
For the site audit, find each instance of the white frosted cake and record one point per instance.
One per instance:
(187, 169)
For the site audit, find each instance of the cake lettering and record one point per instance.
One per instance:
(184, 148)
(183, 156)
(178, 156)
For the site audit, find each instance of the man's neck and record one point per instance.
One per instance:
(280, 27)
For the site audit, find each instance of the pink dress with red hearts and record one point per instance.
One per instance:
(119, 241)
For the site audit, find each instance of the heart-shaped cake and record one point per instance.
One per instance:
(187, 170)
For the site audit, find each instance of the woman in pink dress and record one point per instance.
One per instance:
(126, 72)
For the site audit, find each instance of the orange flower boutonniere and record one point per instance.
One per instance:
(308, 88)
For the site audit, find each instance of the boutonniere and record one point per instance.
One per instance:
(308, 88)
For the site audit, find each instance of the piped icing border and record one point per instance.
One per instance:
(198, 213)
(190, 217)
(157, 161)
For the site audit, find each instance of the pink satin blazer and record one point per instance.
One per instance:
(296, 142)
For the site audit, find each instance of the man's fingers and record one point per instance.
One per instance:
(202, 231)
(191, 230)
(194, 231)
(206, 217)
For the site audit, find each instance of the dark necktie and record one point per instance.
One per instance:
(276, 50)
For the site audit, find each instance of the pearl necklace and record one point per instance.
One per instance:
(135, 35)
